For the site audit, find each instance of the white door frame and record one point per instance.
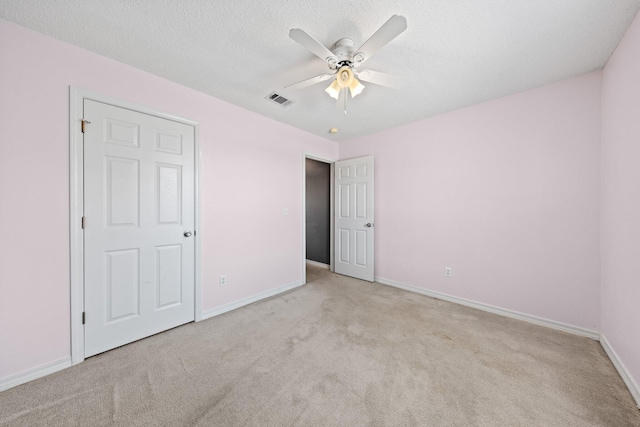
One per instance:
(306, 156)
(76, 211)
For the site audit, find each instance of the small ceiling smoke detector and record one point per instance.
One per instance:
(333, 130)
(278, 99)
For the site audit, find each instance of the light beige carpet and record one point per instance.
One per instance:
(337, 352)
(315, 272)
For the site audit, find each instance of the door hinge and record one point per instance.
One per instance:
(83, 223)
(83, 123)
(83, 317)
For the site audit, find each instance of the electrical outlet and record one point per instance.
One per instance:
(447, 271)
(223, 280)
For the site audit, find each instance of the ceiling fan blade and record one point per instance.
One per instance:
(311, 44)
(382, 79)
(389, 31)
(309, 82)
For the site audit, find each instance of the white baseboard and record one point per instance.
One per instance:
(249, 300)
(318, 264)
(576, 330)
(622, 370)
(34, 373)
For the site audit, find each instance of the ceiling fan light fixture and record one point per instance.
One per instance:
(355, 88)
(333, 90)
(345, 77)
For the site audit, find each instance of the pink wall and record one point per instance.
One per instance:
(507, 193)
(251, 169)
(621, 200)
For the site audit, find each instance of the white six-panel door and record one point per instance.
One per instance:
(139, 212)
(354, 218)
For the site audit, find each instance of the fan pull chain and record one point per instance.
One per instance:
(346, 95)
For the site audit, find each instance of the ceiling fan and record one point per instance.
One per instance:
(344, 61)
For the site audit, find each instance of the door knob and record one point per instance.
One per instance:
(368, 224)
(187, 234)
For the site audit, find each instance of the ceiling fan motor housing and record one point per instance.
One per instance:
(344, 49)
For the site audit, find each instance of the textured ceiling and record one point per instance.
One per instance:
(454, 52)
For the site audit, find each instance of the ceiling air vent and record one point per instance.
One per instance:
(280, 100)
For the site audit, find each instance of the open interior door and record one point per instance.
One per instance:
(354, 218)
